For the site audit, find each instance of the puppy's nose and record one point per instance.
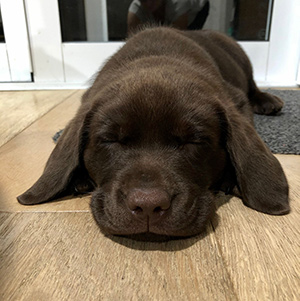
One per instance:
(149, 203)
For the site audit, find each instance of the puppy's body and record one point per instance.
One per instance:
(166, 124)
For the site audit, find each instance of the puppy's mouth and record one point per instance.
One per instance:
(152, 237)
(145, 231)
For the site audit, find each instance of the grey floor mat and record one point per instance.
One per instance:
(282, 132)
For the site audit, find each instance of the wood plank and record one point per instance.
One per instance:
(63, 256)
(262, 252)
(24, 157)
(20, 109)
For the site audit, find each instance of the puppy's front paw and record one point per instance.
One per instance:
(266, 104)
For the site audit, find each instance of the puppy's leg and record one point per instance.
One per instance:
(264, 103)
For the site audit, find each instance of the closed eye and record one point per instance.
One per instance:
(199, 141)
(195, 142)
(123, 141)
(108, 141)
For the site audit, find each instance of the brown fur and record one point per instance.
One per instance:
(167, 123)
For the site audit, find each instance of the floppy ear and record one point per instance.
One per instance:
(261, 180)
(64, 171)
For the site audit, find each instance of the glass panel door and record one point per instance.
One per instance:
(71, 39)
(4, 66)
(83, 21)
(2, 39)
(87, 24)
(244, 20)
(15, 63)
(100, 20)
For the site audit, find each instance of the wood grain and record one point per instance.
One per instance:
(262, 252)
(63, 256)
(19, 109)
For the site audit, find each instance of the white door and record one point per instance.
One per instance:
(4, 66)
(15, 63)
(70, 39)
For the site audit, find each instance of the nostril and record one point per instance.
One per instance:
(157, 209)
(148, 210)
(138, 209)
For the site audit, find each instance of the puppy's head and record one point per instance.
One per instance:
(156, 155)
(154, 152)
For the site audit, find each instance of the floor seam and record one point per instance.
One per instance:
(30, 124)
(58, 211)
(224, 262)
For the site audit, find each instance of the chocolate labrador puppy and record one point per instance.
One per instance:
(167, 123)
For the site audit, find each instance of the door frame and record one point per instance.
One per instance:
(66, 65)
(16, 62)
(4, 65)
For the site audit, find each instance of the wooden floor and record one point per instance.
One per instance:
(55, 251)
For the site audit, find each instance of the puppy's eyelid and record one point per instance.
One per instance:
(178, 140)
(108, 141)
(205, 141)
(200, 138)
(196, 141)
(123, 141)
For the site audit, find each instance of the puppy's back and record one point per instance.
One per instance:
(214, 54)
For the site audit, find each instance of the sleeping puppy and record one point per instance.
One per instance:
(167, 124)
